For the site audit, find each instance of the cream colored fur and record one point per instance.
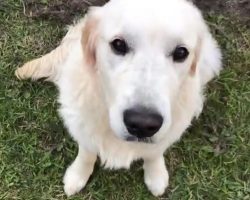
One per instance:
(92, 82)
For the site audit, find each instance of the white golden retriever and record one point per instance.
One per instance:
(131, 76)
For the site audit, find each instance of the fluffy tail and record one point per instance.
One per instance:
(45, 67)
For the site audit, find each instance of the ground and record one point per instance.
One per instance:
(210, 162)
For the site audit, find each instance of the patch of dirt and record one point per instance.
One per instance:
(235, 8)
(65, 11)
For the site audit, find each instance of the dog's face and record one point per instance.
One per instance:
(142, 52)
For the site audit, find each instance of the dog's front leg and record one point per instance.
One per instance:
(79, 172)
(156, 175)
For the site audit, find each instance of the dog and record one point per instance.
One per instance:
(131, 76)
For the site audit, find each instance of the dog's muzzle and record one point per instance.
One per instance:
(142, 123)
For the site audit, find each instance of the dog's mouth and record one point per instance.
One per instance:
(136, 139)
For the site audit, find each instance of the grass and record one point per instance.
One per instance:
(210, 162)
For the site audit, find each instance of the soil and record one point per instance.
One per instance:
(65, 11)
(234, 8)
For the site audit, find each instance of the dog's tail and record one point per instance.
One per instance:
(45, 67)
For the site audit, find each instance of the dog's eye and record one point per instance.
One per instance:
(180, 54)
(119, 46)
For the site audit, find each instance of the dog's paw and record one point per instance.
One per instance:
(74, 181)
(157, 182)
(156, 176)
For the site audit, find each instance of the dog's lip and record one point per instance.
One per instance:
(131, 138)
(136, 139)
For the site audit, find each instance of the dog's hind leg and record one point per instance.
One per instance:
(79, 172)
(45, 67)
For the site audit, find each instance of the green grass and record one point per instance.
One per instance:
(212, 161)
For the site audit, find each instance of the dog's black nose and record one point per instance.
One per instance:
(142, 122)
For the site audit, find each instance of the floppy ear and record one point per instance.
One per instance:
(209, 58)
(89, 37)
(193, 68)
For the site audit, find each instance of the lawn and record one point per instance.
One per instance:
(212, 161)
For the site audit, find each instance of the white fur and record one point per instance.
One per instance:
(93, 98)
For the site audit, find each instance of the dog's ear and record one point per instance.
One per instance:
(196, 58)
(90, 35)
(207, 59)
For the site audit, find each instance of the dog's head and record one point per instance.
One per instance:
(142, 51)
